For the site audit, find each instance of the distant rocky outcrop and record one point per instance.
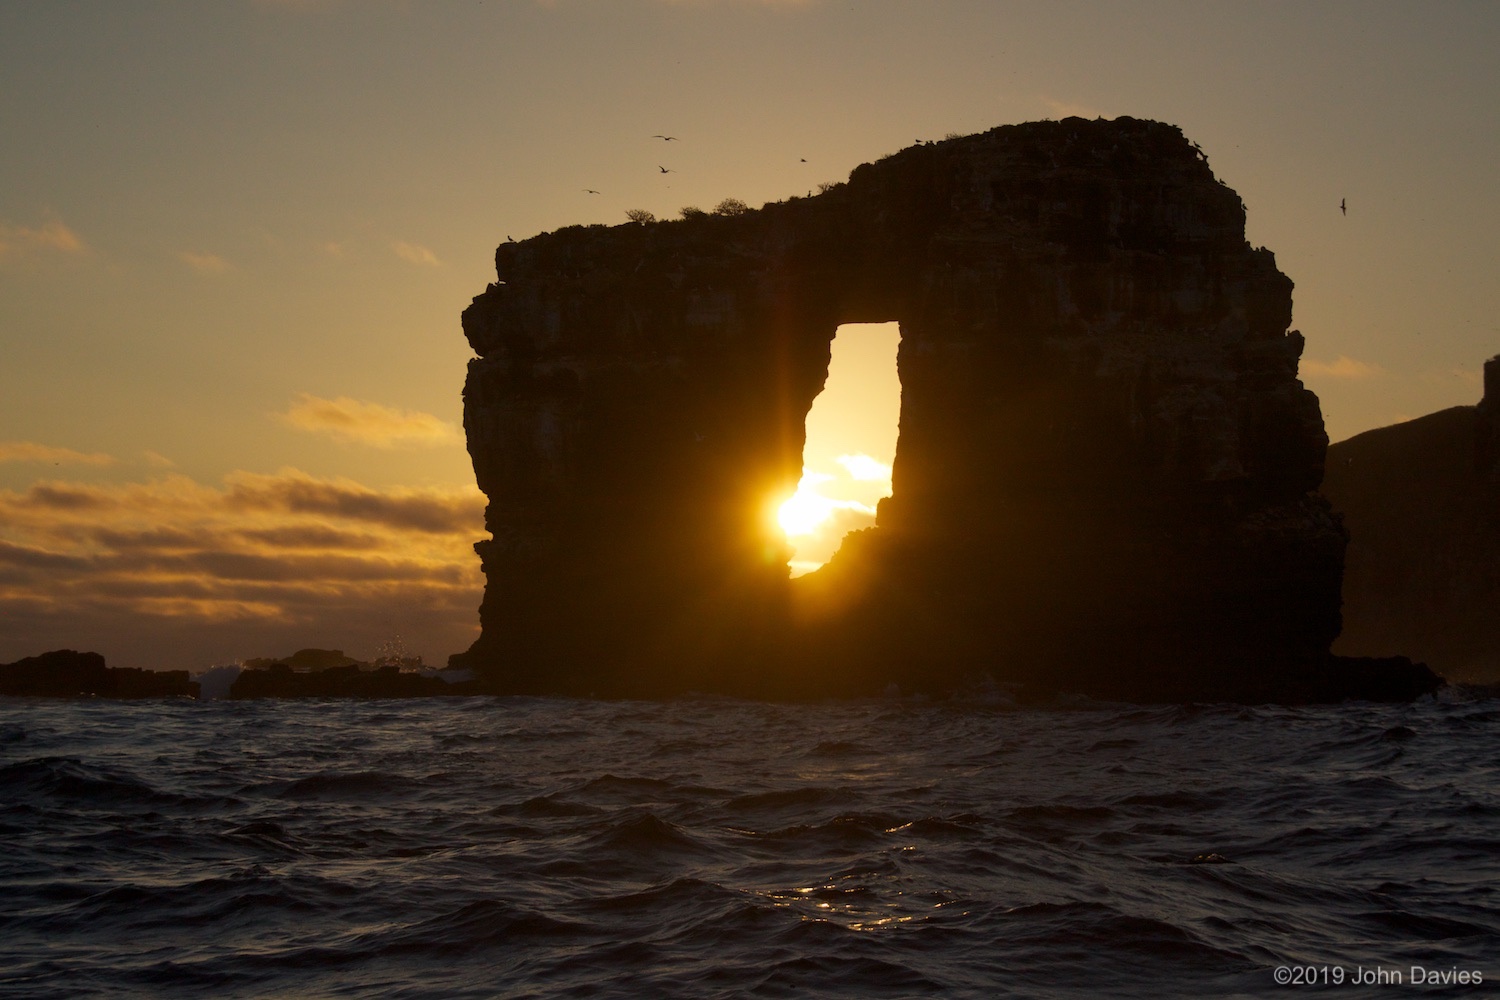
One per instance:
(1421, 502)
(66, 673)
(328, 673)
(1105, 476)
(306, 659)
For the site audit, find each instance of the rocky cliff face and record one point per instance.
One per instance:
(1104, 477)
(1421, 502)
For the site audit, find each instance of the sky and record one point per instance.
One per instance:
(236, 238)
(851, 445)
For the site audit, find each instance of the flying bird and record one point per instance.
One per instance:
(664, 169)
(665, 138)
(1342, 209)
(589, 191)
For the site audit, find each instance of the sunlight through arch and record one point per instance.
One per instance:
(851, 445)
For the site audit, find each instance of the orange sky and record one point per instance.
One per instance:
(235, 239)
(851, 442)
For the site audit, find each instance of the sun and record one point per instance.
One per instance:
(814, 524)
(804, 511)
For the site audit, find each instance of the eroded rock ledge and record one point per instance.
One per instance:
(1104, 480)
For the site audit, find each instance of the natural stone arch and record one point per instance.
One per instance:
(1104, 477)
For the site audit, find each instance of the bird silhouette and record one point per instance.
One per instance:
(589, 191)
(1342, 209)
(664, 169)
(665, 138)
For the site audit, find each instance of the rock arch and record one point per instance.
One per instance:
(1106, 467)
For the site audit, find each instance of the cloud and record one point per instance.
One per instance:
(29, 556)
(62, 497)
(295, 493)
(352, 421)
(180, 574)
(415, 253)
(314, 536)
(1342, 367)
(157, 460)
(204, 263)
(29, 451)
(53, 235)
(865, 468)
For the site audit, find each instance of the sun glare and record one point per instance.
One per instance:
(851, 443)
(806, 509)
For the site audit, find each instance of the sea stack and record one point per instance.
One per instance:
(1421, 502)
(1105, 480)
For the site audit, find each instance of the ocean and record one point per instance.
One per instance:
(525, 847)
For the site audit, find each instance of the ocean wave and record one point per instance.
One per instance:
(552, 848)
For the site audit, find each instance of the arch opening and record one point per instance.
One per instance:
(850, 447)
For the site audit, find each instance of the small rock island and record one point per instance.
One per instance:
(1105, 480)
(68, 673)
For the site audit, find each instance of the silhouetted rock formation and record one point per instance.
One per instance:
(306, 659)
(1487, 425)
(328, 673)
(66, 673)
(1105, 473)
(1421, 501)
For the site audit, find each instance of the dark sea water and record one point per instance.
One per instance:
(548, 848)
